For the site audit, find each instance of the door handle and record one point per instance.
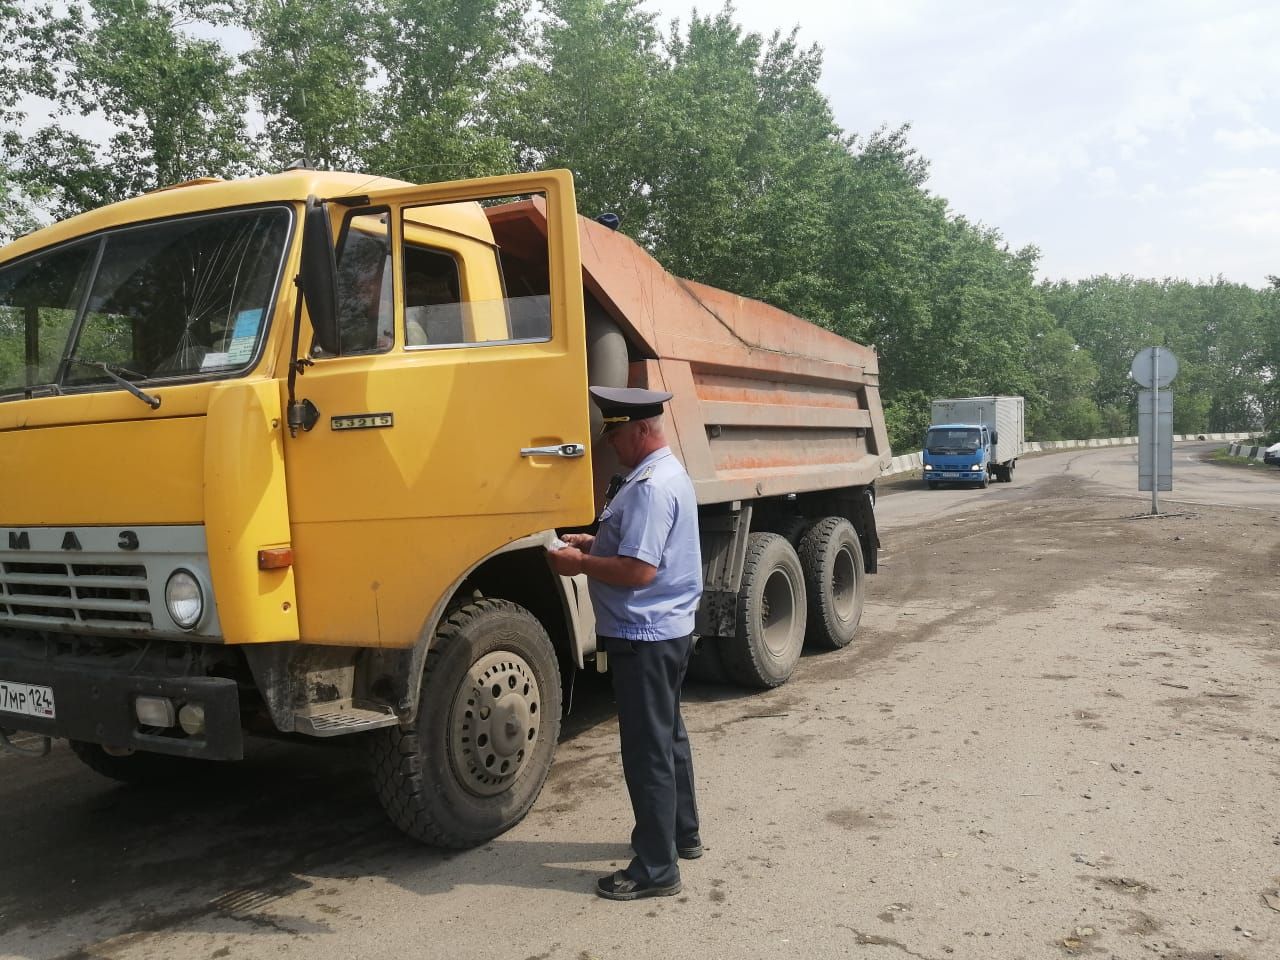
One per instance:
(559, 450)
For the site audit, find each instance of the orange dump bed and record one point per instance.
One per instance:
(765, 403)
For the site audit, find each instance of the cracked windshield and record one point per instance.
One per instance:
(183, 298)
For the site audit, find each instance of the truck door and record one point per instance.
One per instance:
(453, 418)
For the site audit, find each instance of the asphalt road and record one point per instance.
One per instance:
(1054, 736)
(1113, 470)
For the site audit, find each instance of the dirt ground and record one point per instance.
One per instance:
(1056, 735)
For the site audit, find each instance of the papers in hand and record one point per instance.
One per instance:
(557, 544)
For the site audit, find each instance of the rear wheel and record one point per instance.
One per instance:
(488, 720)
(835, 581)
(771, 614)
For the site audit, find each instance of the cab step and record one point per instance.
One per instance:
(342, 717)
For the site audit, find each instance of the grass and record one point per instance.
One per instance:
(1226, 460)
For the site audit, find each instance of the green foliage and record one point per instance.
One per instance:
(442, 60)
(584, 100)
(173, 102)
(1223, 335)
(906, 417)
(309, 72)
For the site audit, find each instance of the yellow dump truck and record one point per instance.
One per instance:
(282, 457)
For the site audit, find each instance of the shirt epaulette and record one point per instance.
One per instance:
(645, 474)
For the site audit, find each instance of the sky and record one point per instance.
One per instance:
(1135, 137)
(1121, 137)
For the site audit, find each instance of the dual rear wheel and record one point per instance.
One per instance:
(788, 595)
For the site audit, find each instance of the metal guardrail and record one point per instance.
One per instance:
(1252, 453)
(913, 461)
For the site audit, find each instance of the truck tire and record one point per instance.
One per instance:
(985, 481)
(771, 615)
(139, 768)
(835, 581)
(475, 759)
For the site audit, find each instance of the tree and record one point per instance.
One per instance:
(744, 156)
(172, 101)
(584, 100)
(439, 107)
(309, 72)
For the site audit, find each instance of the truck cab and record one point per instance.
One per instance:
(957, 453)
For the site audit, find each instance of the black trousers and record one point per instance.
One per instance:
(656, 758)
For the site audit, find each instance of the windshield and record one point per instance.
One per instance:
(181, 298)
(958, 441)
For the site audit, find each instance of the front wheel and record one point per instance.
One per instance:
(475, 760)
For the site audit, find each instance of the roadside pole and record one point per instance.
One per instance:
(1155, 434)
(1153, 368)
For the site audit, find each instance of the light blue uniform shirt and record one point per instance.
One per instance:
(654, 518)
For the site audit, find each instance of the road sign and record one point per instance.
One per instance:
(1155, 447)
(1154, 367)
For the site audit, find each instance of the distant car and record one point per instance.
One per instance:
(1272, 454)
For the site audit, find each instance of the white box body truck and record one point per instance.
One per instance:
(974, 440)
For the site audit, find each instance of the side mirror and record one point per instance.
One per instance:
(320, 276)
(995, 437)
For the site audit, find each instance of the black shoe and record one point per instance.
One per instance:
(618, 886)
(691, 852)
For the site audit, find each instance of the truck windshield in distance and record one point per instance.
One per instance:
(952, 440)
(188, 297)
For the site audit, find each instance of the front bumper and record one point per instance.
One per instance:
(95, 703)
(954, 476)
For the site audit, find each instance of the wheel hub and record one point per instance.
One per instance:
(494, 723)
(777, 613)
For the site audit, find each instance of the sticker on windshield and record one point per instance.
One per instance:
(243, 336)
(215, 361)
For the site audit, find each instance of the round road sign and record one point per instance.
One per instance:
(1154, 367)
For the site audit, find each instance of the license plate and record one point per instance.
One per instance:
(28, 699)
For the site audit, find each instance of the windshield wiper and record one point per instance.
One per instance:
(116, 374)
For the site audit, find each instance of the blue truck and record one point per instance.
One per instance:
(973, 440)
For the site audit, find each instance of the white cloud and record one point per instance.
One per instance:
(1108, 134)
(1255, 137)
(1244, 200)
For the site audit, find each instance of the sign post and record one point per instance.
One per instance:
(1155, 368)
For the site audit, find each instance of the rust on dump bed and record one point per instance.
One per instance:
(765, 403)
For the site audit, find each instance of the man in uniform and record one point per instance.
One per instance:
(644, 570)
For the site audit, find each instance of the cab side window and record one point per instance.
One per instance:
(365, 315)
(433, 314)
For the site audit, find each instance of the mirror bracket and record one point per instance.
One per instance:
(303, 415)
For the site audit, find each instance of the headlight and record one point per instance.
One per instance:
(977, 466)
(184, 599)
(927, 467)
